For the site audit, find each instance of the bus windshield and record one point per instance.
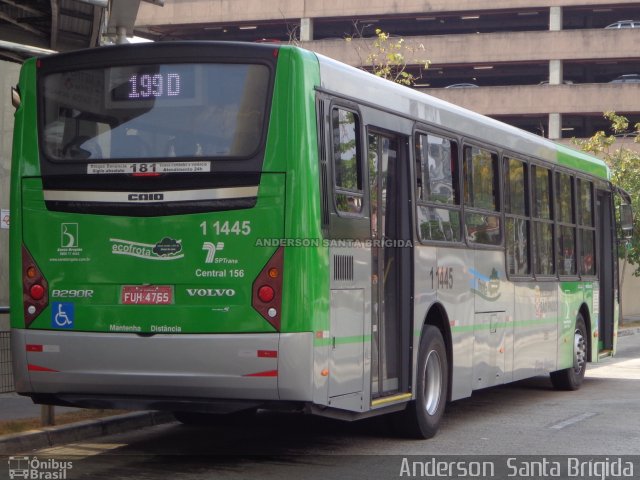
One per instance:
(154, 111)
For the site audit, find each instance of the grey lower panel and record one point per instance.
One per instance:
(295, 366)
(347, 357)
(221, 366)
(172, 404)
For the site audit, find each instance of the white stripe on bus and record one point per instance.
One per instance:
(151, 197)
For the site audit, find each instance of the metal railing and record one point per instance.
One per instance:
(6, 371)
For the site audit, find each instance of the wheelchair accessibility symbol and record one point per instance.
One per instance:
(62, 315)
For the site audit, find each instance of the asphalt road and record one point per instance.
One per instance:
(525, 418)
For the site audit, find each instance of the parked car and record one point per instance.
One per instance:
(625, 24)
(629, 78)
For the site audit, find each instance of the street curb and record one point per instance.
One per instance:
(624, 332)
(73, 432)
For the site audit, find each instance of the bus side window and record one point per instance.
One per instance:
(544, 262)
(517, 223)
(481, 194)
(586, 228)
(566, 230)
(437, 191)
(347, 161)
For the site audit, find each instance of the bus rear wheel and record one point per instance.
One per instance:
(571, 378)
(422, 416)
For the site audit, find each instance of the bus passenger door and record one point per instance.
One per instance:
(349, 260)
(391, 263)
(607, 270)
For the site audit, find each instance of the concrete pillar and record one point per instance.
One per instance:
(555, 126)
(555, 19)
(555, 72)
(306, 29)
(121, 35)
(47, 415)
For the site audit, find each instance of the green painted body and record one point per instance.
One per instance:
(582, 162)
(288, 206)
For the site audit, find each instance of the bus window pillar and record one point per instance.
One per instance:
(306, 29)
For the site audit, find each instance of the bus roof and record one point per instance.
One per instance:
(411, 103)
(405, 101)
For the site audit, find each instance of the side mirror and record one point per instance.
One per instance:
(626, 220)
(15, 98)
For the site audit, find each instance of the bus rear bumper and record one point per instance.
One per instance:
(243, 367)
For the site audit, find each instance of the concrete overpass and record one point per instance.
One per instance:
(34, 27)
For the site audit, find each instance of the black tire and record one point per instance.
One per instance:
(571, 378)
(421, 419)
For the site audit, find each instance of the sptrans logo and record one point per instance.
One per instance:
(211, 249)
(36, 469)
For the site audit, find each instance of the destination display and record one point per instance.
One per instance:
(145, 85)
(152, 82)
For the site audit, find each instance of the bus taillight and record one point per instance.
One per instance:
(36, 291)
(35, 288)
(266, 293)
(267, 289)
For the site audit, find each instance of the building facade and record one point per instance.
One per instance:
(548, 66)
(551, 67)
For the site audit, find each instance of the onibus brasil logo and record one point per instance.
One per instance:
(36, 469)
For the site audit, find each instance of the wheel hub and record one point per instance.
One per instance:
(580, 352)
(432, 382)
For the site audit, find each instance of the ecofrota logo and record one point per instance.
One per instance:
(166, 249)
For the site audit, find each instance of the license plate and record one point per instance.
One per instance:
(146, 295)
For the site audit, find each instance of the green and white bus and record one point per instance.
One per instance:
(212, 228)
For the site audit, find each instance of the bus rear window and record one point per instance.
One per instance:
(154, 112)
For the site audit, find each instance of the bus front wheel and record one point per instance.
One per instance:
(571, 378)
(422, 416)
